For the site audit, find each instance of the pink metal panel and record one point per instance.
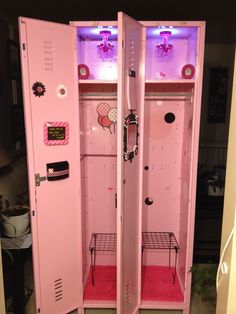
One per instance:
(163, 150)
(100, 188)
(55, 205)
(99, 132)
(129, 175)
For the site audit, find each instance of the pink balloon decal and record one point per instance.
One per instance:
(103, 108)
(106, 116)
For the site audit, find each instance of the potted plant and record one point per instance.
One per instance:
(203, 281)
(216, 188)
(15, 219)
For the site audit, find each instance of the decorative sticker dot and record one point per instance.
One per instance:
(38, 89)
(62, 91)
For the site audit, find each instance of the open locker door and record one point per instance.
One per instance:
(50, 88)
(131, 80)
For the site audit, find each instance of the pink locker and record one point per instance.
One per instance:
(112, 113)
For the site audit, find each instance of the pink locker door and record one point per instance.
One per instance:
(131, 80)
(50, 87)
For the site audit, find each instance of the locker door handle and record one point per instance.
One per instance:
(38, 179)
(131, 136)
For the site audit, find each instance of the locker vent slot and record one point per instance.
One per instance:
(131, 53)
(58, 289)
(48, 50)
(128, 293)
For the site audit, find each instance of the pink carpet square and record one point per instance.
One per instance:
(104, 284)
(157, 284)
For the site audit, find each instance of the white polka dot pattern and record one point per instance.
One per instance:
(103, 108)
(112, 115)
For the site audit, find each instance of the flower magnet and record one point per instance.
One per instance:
(38, 89)
(61, 91)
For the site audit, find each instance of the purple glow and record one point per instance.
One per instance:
(159, 30)
(97, 30)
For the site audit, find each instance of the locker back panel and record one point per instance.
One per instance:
(99, 132)
(100, 189)
(51, 100)
(162, 179)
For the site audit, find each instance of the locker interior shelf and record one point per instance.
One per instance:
(106, 242)
(161, 241)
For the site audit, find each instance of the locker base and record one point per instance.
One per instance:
(157, 284)
(104, 287)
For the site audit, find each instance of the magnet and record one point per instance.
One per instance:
(148, 201)
(188, 71)
(38, 89)
(61, 91)
(56, 133)
(83, 71)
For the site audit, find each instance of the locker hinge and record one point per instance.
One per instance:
(33, 212)
(23, 46)
(123, 43)
(38, 179)
(38, 310)
(115, 200)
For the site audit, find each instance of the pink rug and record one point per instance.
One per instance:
(157, 284)
(104, 284)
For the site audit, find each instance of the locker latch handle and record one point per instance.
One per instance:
(38, 179)
(130, 136)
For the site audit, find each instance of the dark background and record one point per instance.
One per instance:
(219, 15)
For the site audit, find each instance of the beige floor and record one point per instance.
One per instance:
(197, 305)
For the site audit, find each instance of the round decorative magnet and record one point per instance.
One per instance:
(38, 89)
(61, 91)
(188, 71)
(83, 71)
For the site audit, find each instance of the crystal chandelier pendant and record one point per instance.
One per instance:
(105, 48)
(164, 49)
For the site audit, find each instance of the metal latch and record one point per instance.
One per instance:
(38, 179)
(115, 200)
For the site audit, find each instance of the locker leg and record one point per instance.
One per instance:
(80, 310)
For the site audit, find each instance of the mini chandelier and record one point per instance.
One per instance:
(105, 48)
(165, 49)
